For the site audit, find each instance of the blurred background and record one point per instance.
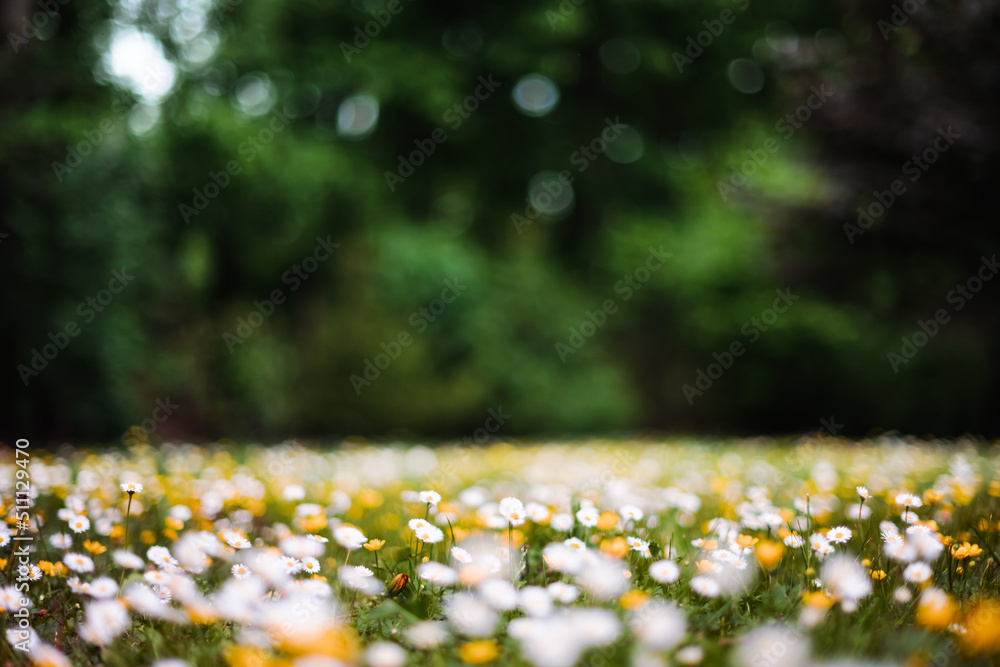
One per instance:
(277, 218)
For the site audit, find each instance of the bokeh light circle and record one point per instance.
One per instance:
(535, 95)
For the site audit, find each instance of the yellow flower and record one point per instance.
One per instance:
(398, 583)
(707, 545)
(334, 641)
(373, 544)
(370, 498)
(769, 554)
(94, 547)
(607, 521)
(817, 599)
(174, 523)
(932, 496)
(117, 532)
(707, 566)
(314, 523)
(478, 652)
(936, 610)
(745, 541)
(148, 537)
(965, 550)
(3, 563)
(633, 599)
(878, 575)
(201, 613)
(617, 547)
(248, 656)
(982, 628)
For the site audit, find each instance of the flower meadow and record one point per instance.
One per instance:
(743, 553)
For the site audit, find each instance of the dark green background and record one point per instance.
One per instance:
(162, 337)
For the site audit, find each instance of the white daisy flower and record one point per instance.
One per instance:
(106, 619)
(240, 571)
(163, 593)
(537, 512)
(818, 542)
(664, 571)
(349, 537)
(128, 560)
(385, 654)
(535, 601)
(863, 493)
(157, 577)
(659, 625)
(642, 546)
(499, 594)
(908, 500)
(426, 532)
(78, 562)
(61, 541)
(360, 578)
(562, 522)
(705, 586)
(427, 634)
(461, 555)
(563, 592)
(512, 509)
(237, 541)
(290, 565)
(160, 556)
(859, 512)
(103, 587)
(437, 573)
(588, 516)
(79, 523)
(430, 497)
(131, 487)
(794, 541)
(631, 513)
(690, 655)
(917, 573)
(839, 534)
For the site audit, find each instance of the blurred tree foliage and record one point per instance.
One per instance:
(304, 72)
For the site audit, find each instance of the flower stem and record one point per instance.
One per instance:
(128, 512)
